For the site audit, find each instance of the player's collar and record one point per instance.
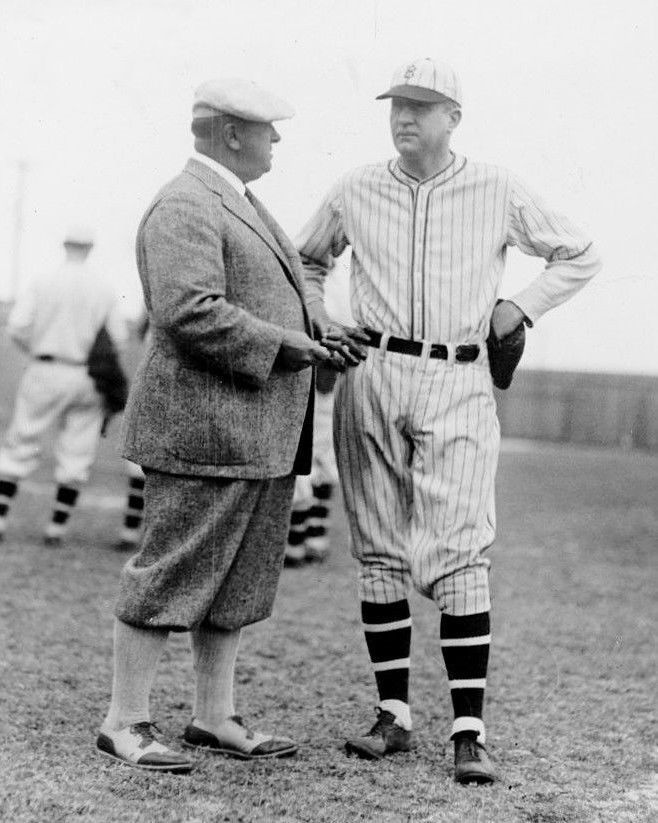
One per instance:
(455, 165)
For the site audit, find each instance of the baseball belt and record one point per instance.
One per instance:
(51, 358)
(463, 354)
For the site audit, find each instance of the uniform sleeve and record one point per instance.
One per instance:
(571, 259)
(320, 241)
(21, 318)
(181, 252)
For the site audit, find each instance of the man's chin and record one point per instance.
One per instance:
(407, 150)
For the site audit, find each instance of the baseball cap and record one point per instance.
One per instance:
(241, 98)
(426, 81)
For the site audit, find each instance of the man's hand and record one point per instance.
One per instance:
(506, 317)
(298, 352)
(346, 344)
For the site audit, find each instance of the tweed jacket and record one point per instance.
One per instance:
(221, 282)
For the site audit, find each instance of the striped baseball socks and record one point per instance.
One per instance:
(465, 646)
(133, 514)
(317, 538)
(295, 554)
(8, 489)
(387, 628)
(65, 501)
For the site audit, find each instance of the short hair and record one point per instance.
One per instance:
(204, 128)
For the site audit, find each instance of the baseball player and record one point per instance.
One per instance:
(315, 494)
(312, 505)
(416, 431)
(55, 321)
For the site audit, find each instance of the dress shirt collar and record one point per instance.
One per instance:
(223, 172)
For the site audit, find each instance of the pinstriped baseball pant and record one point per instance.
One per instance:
(417, 445)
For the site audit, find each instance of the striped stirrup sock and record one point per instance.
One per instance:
(465, 646)
(387, 627)
(7, 491)
(295, 552)
(134, 511)
(317, 539)
(65, 501)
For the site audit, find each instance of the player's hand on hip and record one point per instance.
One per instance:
(348, 342)
(506, 318)
(298, 351)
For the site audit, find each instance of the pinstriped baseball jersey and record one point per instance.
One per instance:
(428, 258)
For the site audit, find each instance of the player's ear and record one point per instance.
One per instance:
(455, 117)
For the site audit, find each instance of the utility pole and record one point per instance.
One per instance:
(18, 227)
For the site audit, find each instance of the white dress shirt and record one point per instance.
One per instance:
(227, 174)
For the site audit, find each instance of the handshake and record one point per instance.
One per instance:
(335, 345)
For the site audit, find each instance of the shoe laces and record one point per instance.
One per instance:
(236, 718)
(146, 730)
(473, 748)
(385, 720)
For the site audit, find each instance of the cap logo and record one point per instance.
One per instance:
(409, 71)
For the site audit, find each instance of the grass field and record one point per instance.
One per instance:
(572, 685)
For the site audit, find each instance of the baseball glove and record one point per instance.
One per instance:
(504, 355)
(105, 370)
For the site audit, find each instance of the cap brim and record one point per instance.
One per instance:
(417, 93)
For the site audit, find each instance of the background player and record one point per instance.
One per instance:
(309, 538)
(416, 429)
(55, 321)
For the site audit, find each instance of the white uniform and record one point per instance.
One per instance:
(417, 438)
(57, 318)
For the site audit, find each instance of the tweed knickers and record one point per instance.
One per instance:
(211, 553)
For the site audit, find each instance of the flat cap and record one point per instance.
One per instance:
(426, 81)
(241, 98)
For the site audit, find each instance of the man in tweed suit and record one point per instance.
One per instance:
(219, 417)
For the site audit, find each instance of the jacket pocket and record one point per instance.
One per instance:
(211, 419)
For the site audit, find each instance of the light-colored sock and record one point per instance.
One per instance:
(136, 656)
(214, 653)
(400, 710)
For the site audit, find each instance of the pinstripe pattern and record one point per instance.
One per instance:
(418, 492)
(428, 258)
(417, 439)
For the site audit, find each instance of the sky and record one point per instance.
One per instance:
(95, 103)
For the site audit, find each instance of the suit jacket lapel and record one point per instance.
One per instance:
(280, 237)
(238, 206)
(258, 219)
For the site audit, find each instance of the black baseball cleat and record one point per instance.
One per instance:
(385, 737)
(472, 763)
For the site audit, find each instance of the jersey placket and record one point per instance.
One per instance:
(418, 262)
